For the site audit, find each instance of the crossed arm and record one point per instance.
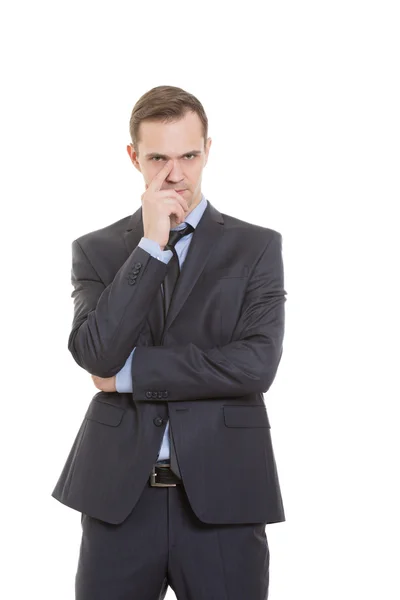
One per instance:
(247, 364)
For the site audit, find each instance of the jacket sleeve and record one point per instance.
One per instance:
(108, 319)
(246, 365)
(123, 380)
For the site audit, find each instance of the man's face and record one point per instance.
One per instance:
(181, 141)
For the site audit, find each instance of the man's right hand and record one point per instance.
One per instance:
(158, 205)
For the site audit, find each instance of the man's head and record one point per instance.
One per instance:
(169, 123)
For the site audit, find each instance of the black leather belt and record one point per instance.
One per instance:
(162, 476)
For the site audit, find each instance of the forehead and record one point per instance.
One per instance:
(175, 136)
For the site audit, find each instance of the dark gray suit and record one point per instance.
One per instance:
(205, 370)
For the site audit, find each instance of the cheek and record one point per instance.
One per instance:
(194, 173)
(148, 174)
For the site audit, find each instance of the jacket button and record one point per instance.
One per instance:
(138, 265)
(132, 281)
(148, 394)
(154, 394)
(165, 394)
(159, 395)
(158, 421)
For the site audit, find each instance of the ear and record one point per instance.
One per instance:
(133, 156)
(207, 150)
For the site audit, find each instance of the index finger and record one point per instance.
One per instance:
(157, 181)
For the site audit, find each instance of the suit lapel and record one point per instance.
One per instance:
(203, 242)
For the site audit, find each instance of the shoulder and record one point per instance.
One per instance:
(108, 233)
(104, 248)
(257, 234)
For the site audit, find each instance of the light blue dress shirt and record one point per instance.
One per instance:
(124, 377)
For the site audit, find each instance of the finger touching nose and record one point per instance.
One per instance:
(176, 172)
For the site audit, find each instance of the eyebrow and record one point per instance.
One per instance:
(152, 154)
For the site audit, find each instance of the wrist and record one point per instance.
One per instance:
(154, 241)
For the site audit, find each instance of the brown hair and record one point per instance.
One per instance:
(165, 103)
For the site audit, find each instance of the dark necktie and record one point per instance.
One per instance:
(173, 271)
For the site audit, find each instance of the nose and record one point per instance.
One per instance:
(175, 175)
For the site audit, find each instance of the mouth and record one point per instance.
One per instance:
(180, 191)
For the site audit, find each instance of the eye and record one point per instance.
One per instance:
(189, 156)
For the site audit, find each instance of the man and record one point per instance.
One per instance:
(179, 318)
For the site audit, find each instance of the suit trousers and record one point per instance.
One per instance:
(163, 544)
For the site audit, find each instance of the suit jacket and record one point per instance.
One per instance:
(205, 369)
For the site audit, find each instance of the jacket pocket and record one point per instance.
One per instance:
(246, 416)
(105, 413)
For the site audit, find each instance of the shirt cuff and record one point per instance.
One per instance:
(154, 249)
(123, 379)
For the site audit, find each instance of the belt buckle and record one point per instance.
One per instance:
(154, 475)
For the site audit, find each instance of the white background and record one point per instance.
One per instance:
(303, 106)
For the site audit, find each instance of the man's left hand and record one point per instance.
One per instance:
(105, 384)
